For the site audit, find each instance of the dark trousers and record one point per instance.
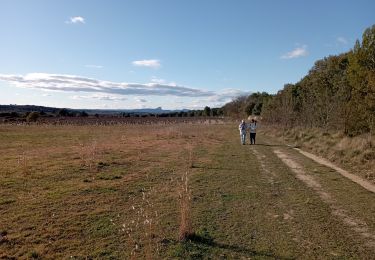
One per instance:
(252, 138)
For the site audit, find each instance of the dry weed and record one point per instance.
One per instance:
(140, 229)
(185, 208)
(23, 163)
(88, 154)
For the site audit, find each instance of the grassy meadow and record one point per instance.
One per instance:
(182, 191)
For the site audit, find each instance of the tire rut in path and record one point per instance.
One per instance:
(364, 183)
(357, 225)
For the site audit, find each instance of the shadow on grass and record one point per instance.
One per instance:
(208, 241)
(273, 145)
(215, 168)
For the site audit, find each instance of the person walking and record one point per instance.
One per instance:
(242, 128)
(253, 130)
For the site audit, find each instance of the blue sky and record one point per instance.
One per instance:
(169, 53)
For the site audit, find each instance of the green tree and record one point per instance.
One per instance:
(361, 74)
(207, 111)
(63, 112)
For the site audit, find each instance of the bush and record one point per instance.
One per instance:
(32, 117)
(83, 114)
(63, 112)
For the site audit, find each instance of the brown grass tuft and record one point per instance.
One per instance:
(185, 209)
(23, 163)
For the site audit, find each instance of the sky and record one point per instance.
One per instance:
(172, 54)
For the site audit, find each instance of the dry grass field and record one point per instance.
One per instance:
(179, 191)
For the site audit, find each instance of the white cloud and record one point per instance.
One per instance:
(296, 53)
(156, 80)
(76, 19)
(140, 100)
(147, 63)
(72, 83)
(46, 95)
(342, 40)
(94, 66)
(93, 89)
(226, 95)
(103, 97)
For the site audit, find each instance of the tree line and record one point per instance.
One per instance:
(206, 112)
(337, 93)
(33, 116)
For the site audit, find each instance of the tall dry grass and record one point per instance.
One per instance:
(186, 229)
(23, 163)
(141, 228)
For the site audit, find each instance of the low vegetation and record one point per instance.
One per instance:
(178, 191)
(25, 114)
(98, 191)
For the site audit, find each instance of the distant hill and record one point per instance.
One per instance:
(29, 108)
(26, 108)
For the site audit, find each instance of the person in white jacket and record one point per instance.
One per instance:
(242, 127)
(253, 130)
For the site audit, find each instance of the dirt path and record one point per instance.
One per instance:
(364, 183)
(357, 225)
(338, 196)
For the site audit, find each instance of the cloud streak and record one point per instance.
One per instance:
(296, 53)
(72, 83)
(95, 89)
(140, 100)
(76, 19)
(156, 80)
(92, 66)
(103, 97)
(147, 63)
(226, 95)
(342, 40)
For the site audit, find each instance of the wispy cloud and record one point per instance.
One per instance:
(103, 97)
(76, 19)
(156, 80)
(94, 66)
(226, 95)
(296, 53)
(74, 83)
(118, 91)
(219, 99)
(147, 63)
(342, 40)
(140, 100)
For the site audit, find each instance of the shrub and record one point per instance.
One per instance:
(32, 117)
(63, 112)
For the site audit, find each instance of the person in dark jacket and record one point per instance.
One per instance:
(253, 130)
